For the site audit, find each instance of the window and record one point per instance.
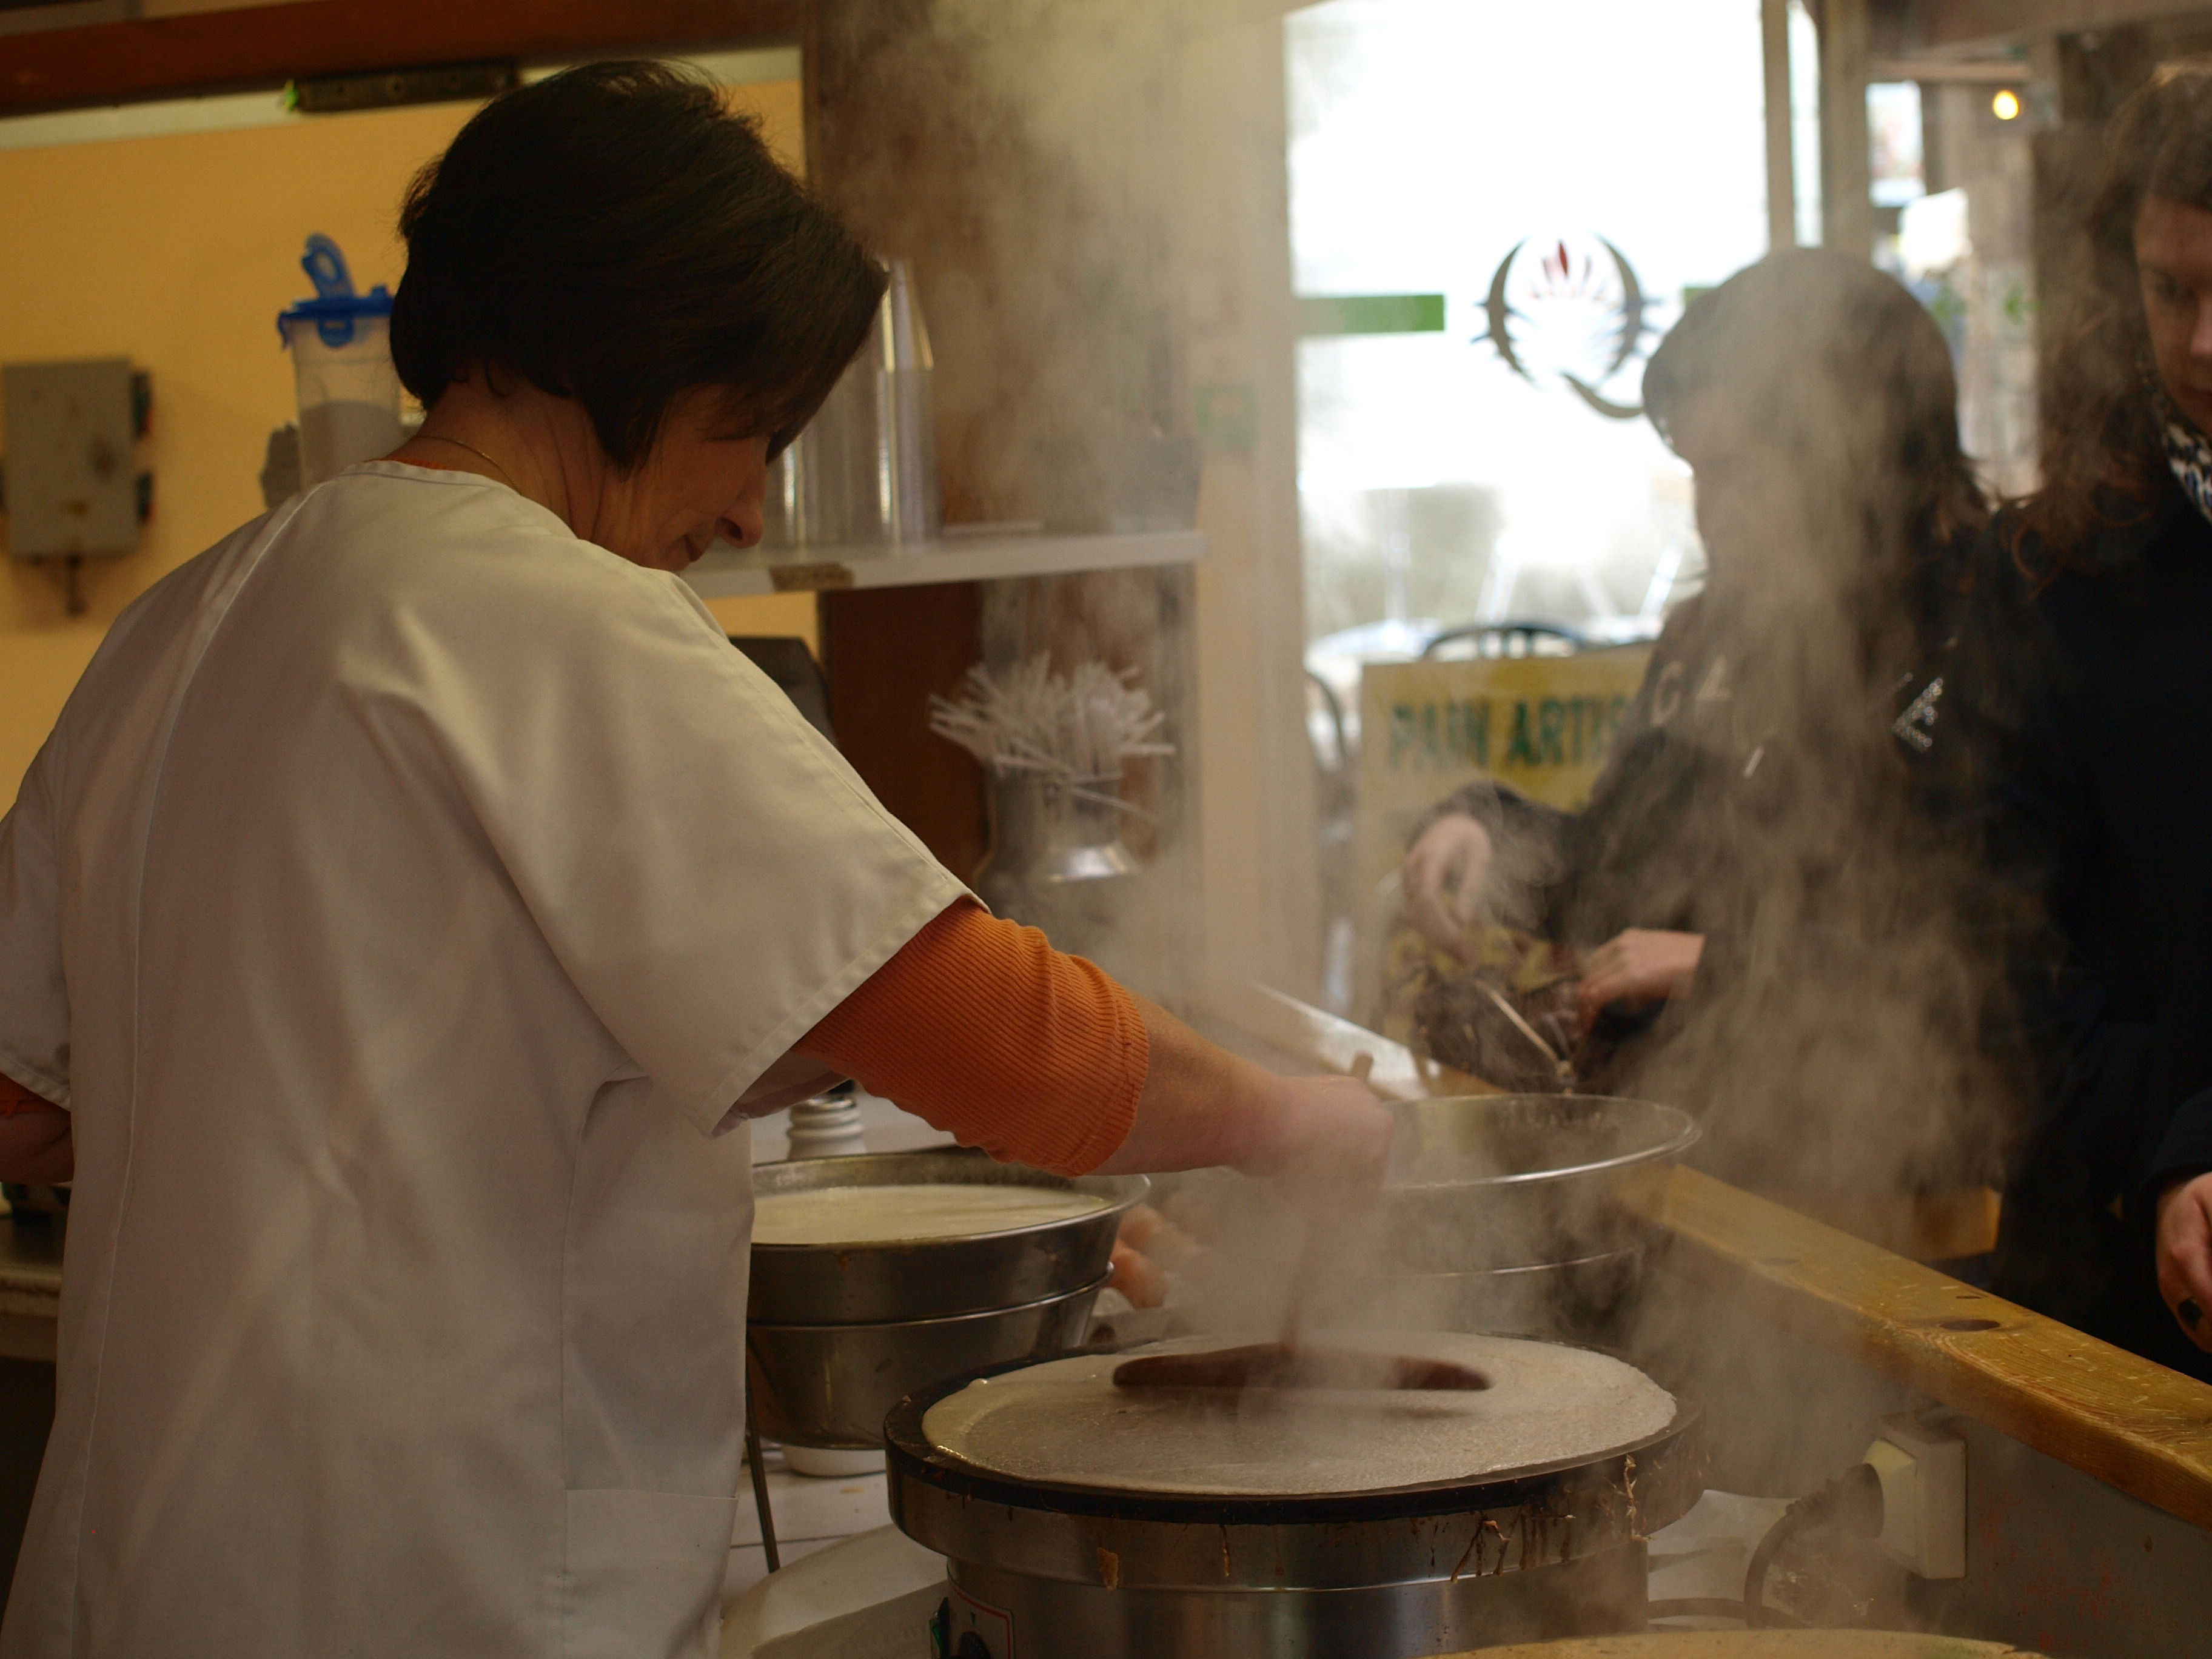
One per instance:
(1461, 459)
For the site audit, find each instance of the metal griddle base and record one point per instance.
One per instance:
(1003, 1613)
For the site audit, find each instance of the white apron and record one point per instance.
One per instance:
(402, 901)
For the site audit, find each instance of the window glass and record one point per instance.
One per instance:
(1535, 188)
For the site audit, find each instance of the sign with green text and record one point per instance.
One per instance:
(1542, 725)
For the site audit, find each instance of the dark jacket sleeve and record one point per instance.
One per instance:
(1548, 847)
(2084, 1065)
(2186, 1149)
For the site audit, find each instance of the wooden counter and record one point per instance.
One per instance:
(2131, 1424)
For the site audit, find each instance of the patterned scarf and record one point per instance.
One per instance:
(2190, 454)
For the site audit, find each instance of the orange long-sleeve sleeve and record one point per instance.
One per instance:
(981, 1027)
(15, 1097)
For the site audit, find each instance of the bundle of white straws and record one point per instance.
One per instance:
(1080, 725)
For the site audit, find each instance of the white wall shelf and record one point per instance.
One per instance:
(726, 572)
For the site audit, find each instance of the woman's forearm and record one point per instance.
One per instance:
(1200, 1105)
(1203, 1106)
(981, 1028)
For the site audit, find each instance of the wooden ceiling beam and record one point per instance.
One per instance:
(268, 46)
(1952, 25)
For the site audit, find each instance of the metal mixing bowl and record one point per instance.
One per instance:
(1483, 1181)
(1563, 1299)
(833, 1385)
(929, 1278)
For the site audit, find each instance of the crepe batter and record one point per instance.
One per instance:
(883, 1215)
(1066, 1422)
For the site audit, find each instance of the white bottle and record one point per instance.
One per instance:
(828, 1126)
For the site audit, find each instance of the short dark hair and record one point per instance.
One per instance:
(616, 235)
(1831, 357)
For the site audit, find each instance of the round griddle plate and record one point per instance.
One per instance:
(912, 1456)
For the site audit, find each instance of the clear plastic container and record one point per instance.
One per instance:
(340, 347)
(865, 470)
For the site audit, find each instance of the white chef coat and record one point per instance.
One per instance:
(404, 899)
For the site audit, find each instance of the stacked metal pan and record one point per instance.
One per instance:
(836, 1334)
(1530, 1213)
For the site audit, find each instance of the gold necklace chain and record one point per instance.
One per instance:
(440, 438)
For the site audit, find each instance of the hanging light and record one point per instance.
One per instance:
(2006, 105)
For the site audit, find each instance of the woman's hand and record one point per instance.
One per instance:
(1640, 965)
(2185, 1256)
(37, 1149)
(1318, 1132)
(36, 1145)
(1445, 871)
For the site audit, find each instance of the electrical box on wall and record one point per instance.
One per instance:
(1922, 1468)
(73, 488)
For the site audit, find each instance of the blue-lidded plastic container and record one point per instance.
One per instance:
(341, 346)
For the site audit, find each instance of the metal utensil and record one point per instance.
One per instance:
(1274, 1365)
(1286, 1365)
(1302, 1278)
(1560, 1064)
(770, 1553)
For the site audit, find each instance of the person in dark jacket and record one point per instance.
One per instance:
(2103, 775)
(1765, 919)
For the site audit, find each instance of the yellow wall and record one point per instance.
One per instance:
(178, 252)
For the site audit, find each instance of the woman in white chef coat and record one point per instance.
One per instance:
(415, 889)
